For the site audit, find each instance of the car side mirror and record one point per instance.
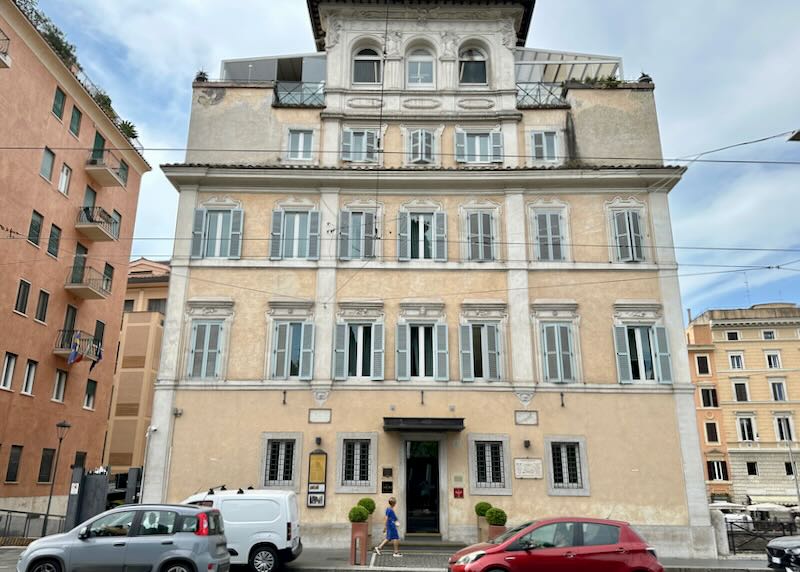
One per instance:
(83, 533)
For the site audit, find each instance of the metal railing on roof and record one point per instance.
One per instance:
(4, 42)
(536, 95)
(299, 94)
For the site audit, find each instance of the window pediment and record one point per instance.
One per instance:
(224, 202)
(290, 308)
(484, 309)
(650, 310)
(422, 308)
(544, 308)
(361, 309)
(210, 307)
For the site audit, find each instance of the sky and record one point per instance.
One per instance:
(725, 72)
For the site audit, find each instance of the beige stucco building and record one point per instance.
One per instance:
(436, 267)
(745, 363)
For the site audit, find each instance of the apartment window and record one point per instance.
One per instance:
(54, 241)
(295, 234)
(35, 228)
(58, 103)
(293, 350)
(480, 352)
(217, 233)
(367, 66)
(480, 236)
(48, 160)
(420, 146)
(60, 385)
(157, 305)
(566, 465)
(489, 466)
(709, 397)
(479, 146)
(747, 430)
(642, 354)
(740, 391)
(280, 462)
(543, 144)
(358, 351)
(64, 179)
(75, 121)
(89, 397)
(360, 145)
(711, 433)
(778, 390)
(30, 377)
(789, 468)
(80, 459)
(357, 230)
(558, 352)
(8, 370)
(127, 306)
(46, 466)
(41, 306)
(23, 290)
(717, 470)
(206, 347)
(736, 360)
(472, 67)
(549, 235)
(300, 142)
(422, 351)
(14, 461)
(732, 336)
(752, 469)
(628, 235)
(356, 463)
(422, 236)
(123, 172)
(773, 360)
(419, 66)
(784, 429)
(768, 334)
(703, 367)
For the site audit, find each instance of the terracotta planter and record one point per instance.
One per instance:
(359, 539)
(369, 528)
(483, 529)
(495, 531)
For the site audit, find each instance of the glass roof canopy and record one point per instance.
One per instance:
(544, 66)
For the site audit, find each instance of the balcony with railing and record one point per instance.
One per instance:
(97, 224)
(81, 343)
(88, 283)
(540, 95)
(106, 168)
(5, 59)
(298, 94)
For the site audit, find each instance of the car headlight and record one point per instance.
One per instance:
(794, 551)
(471, 557)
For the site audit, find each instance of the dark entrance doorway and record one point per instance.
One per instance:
(422, 486)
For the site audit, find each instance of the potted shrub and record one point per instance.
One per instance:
(201, 77)
(368, 504)
(483, 526)
(496, 517)
(358, 516)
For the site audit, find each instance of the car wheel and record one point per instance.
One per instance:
(176, 568)
(264, 559)
(46, 566)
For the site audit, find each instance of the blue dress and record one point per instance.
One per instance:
(391, 525)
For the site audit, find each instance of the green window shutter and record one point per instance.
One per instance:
(214, 349)
(276, 232)
(190, 370)
(624, 374)
(465, 349)
(461, 147)
(442, 363)
(347, 145)
(307, 352)
(280, 346)
(339, 352)
(662, 354)
(440, 230)
(493, 350)
(497, 146)
(415, 152)
(402, 360)
(622, 239)
(538, 145)
(237, 225)
(344, 235)
(487, 239)
(427, 146)
(403, 236)
(369, 235)
(313, 235)
(377, 351)
(197, 233)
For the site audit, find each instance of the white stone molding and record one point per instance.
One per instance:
(554, 308)
(210, 308)
(488, 310)
(623, 204)
(550, 205)
(422, 309)
(509, 34)
(365, 102)
(321, 396)
(297, 460)
(421, 205)
(525, 396)
(333, 30)
(350, 310)
(475, 103)
(421, 103)
(450, 42)
(480, 205)
(552, 490)
(290, 308)
(503, 439)
(557, 310)
(224, 202)
(315, 144)
(626, 311)
(369, 205)
(294, 203)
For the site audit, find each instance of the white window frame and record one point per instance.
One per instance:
(472, 456)
(776, 354)
(64, 179)
(368, 486)
(705, 432)
(60, 385)
(299, 154)
(778, 383)
(746, 384)
(638, 329)
(697, 365)
(495, 145)
(736, 333)
(552, 489)
(364, 154)
(716, 397)
(633, 255)
(414, 57)
(213, 310)
(545, 134)
(719, 475)
(480, 208)
(773, 333)
(29, 377)
(421, 342)
(425, 153)
(89, 400)
(740, 430)
(9, 364)
(739, 355)
(777, 420)
(484, 57)
(297, 455)
(560, 209)
(377, 58)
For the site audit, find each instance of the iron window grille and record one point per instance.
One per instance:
(490, 465)
(280, 462)
(355, 471)
(566, 465)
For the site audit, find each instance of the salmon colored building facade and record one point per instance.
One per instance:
(68, 201)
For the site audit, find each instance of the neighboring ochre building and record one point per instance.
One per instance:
(137, 366)
(421, 265)
(67, 209)
(746, 368)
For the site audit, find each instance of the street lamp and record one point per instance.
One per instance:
(62, 427)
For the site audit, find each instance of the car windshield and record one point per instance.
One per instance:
(509, 533)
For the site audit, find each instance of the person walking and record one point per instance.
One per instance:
(390, 530)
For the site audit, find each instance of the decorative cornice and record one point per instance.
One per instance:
(349, 309)
(484, 309)
(422, 308)
(290, 308)
(213, 307)
(637, 309)
(545, 308)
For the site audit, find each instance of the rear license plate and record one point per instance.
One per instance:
(776, 560)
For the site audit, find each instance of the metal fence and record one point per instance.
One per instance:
(535, 95)
(28, 524)
(754, 536)
(4, 42)
(299, 94)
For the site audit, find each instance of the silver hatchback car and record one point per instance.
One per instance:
(141, 538)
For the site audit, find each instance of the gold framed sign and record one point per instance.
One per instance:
(317, 471)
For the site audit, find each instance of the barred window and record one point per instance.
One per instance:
(355, 471)
(566, 465)
(489, 458)
(280, 462)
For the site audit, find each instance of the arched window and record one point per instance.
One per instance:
(420, 68)
(471, 67)
(367, 66)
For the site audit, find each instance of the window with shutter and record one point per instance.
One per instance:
(543, 144)
(479, 147)
(357, 234)
(628, 236)
(480, 352)
(300, 145)
(205, 349)
(360, 145)
(358, 350)
(217, 233)
(549, 235)
(642, 354)
(293, 350)
(558, 355)
(420, 146)
(480, 236)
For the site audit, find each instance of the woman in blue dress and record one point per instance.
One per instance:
(390, 529)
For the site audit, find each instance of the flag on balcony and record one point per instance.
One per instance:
(99, 357)
(74, 355)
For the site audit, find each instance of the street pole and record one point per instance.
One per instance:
(61, 427)
(794, 471)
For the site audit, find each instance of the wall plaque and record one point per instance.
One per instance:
(525, 417)
(528, 468)
(319, 415)
(386, 487)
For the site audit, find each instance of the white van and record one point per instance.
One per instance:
(262, 526)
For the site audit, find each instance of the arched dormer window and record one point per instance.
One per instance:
(420, 68)
(472, 67)
(367, 66)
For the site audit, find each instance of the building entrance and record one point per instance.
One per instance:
(422, 486)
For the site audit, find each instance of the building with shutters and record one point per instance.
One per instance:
(406, 254)
(67, 209)
(744, 364)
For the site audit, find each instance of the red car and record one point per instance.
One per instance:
(560, 544)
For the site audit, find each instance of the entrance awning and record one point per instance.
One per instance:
(423, 424)
(777, 499)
